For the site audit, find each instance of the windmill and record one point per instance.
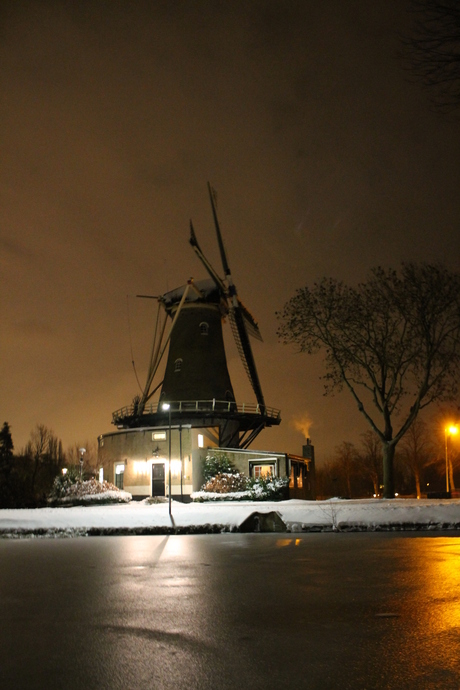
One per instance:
(196, 388)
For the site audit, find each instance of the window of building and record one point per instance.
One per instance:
(178, 365)
(204, 328)
(200, 441)
(263, 471)
(159, 436)
(101, 474)
(119, 475)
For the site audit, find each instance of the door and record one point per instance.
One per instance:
(158, 479)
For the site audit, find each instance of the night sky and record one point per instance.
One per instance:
(327, 160)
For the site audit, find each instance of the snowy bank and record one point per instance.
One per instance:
(297, 516)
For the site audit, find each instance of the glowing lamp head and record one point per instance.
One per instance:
(165, 406)
(452, 430)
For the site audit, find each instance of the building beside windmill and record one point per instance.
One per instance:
(160, 445)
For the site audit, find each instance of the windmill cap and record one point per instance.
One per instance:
(207, 287)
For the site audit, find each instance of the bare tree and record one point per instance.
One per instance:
(345, 458)
(42, 448)
(392, 341)
(417, 451)
(432, 51)
(369, 459)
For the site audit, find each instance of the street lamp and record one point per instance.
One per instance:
(449, 430)
(167, 407)
(82, 451)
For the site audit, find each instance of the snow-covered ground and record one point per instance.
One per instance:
(297, 516)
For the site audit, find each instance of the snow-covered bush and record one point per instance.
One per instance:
(218, 463)
(63, 482)
(261, 489)
(70, 492)
(268, 488)
(208, 496)
(226, 482)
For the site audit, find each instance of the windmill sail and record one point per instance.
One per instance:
(194, 242)
(245, 351)
(241, 320)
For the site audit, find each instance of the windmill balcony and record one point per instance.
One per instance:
(130, 416)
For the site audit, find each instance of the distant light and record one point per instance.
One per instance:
(452, 430)
(159, 435)
(64, 470)
(396, 494)
(165, 406)
(200, 441)
(375, 495)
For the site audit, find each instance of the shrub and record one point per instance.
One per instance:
(63, 482)
(69, 490)
(225, 483)
(237, 487)
(217, 464)
(268, 488)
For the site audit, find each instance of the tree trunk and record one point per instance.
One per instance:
(417, 483)
(388, 470)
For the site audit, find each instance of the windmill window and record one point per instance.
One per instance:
(178, 365)
(119, 475)
(204, 328)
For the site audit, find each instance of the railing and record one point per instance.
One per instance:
(187, 406)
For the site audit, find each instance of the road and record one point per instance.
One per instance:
(211, 612)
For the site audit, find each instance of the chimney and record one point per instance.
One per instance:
(308, 451)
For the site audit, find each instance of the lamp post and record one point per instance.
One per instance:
(449, 430)
(167, 407)
(82, 451)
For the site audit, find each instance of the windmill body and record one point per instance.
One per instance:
(196, 383)
(196, 367)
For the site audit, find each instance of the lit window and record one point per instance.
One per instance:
(159, 436)
(263, 470)
(101, 475)
(204, 328)
(200, 441)
(119, 474)
(178, 365)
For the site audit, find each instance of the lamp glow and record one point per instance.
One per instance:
(449, 431)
